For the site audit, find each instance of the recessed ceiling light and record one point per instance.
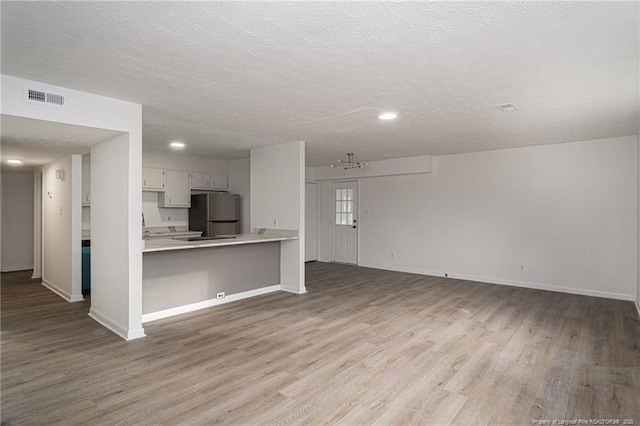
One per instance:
(14, 161)
(177, 145)
(387, 116)
(507, 107)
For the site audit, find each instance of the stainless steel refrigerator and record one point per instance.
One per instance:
(215, 214)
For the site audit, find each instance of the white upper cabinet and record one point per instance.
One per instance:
(220, 182)
(177, 192)
(200, 180)
(153, 179)
(177, 185)
(86, 180)
(206, 181)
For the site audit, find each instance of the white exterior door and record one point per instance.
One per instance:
(311, 222)
(344, 229)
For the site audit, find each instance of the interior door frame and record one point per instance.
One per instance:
(356, 212)
(317, 227)
(38, 232)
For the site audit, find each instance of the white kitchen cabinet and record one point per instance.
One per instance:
(177, 191)
(220, 182)
(200, 180)
(206, 181)
(153, 179)
(86, 180)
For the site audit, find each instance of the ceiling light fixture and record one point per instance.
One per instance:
(14, 161)
(177, 145)
(350, 163)
(388, 116)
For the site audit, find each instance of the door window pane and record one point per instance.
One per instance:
(344, 206)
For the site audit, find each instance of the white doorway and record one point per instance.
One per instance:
(311, 222)
(344, 222)
(37, 224)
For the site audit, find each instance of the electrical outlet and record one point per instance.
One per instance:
(522, 267)
(221, 295)
(393, 254)
(275, 221)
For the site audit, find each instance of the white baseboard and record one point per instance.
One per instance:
(294, 290)
(135, 334)
(153, 316)
(523, 284)
(62, 293)
(16, 268)
(118, 329)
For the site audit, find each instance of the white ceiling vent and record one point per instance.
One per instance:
(507, 107)
(37, 96)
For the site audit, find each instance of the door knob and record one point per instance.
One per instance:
(354, 227)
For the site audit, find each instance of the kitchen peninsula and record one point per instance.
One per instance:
(181, 276)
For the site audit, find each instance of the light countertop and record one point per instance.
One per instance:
(154, 234)
(155, 245)
(163, 232)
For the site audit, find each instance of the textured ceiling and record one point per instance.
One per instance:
(225, 77)
(39, 142)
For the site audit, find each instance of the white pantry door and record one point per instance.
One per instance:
(311, 222)
(344, 229)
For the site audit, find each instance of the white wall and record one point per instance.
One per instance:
(567, 212)
(86, 217)
(122, 176)
(240, 183)
(638, 259)
(277, 202)
(61, 227)
(325, 218)
(114, 196)
(17, 221)
(86, 182)
(325, 175)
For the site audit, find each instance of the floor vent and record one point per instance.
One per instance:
(41, 97)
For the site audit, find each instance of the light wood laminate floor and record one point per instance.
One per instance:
(364, 346)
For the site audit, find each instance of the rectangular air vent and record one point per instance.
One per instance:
(55, 99)
(507, 107)
(36, 96)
